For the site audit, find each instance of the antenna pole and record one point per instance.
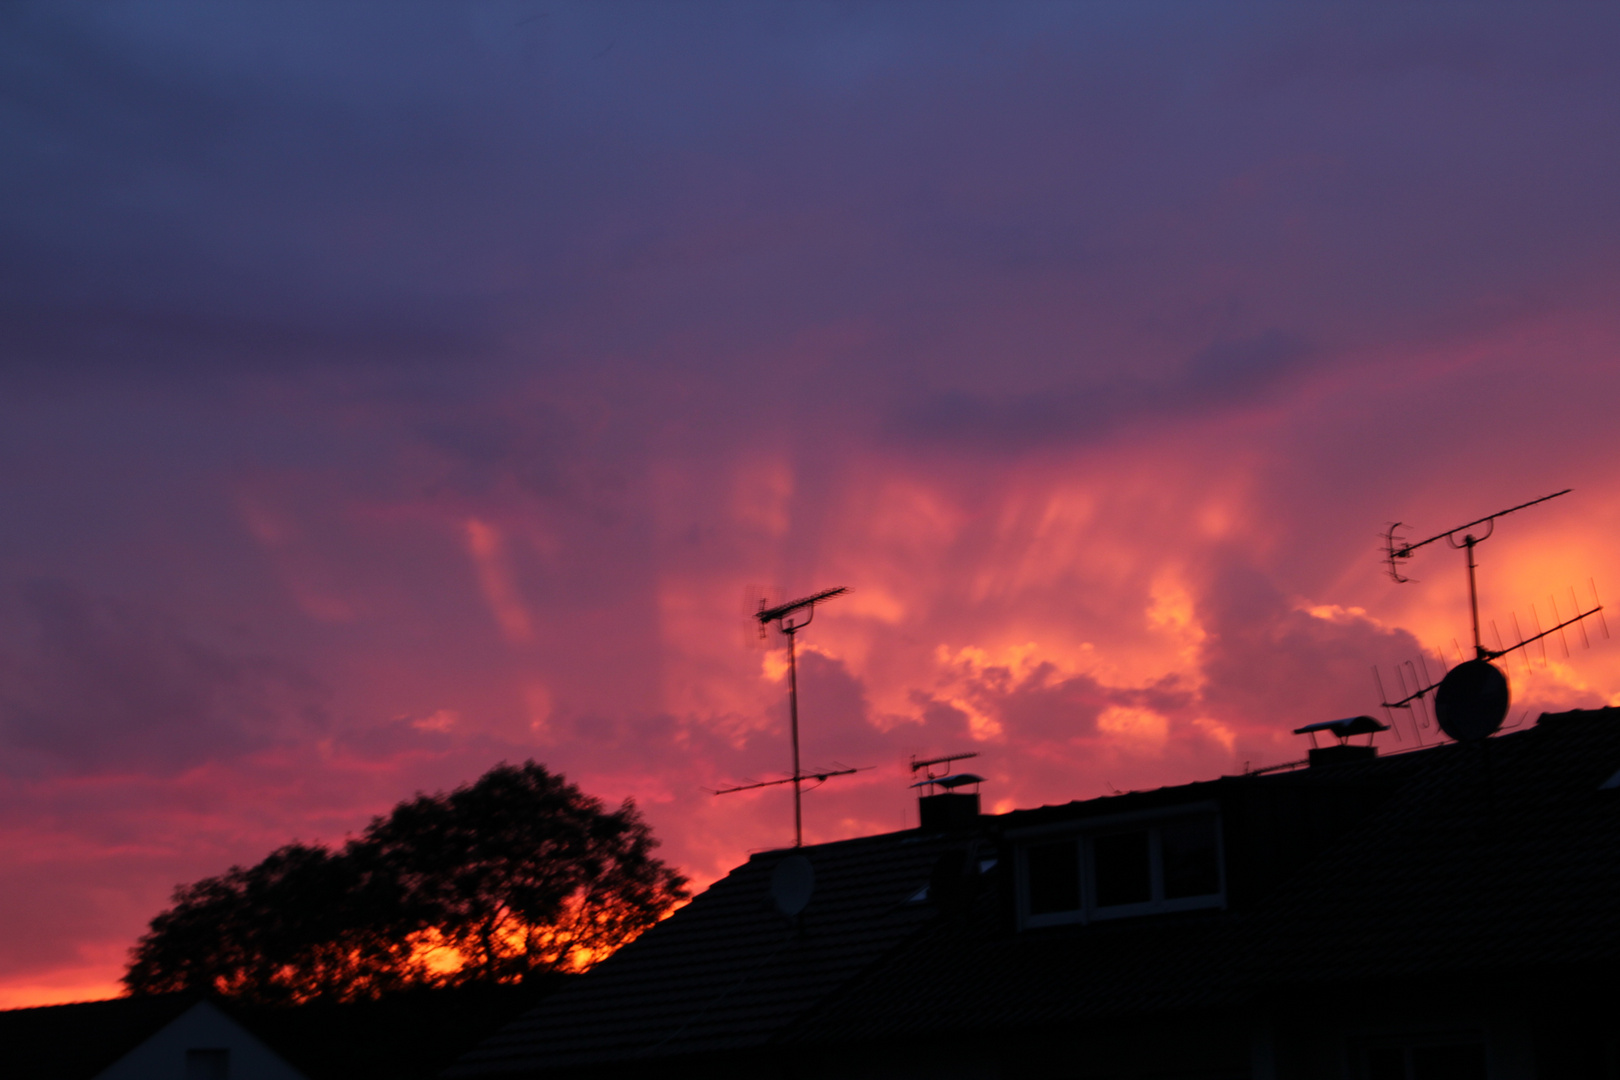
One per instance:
(789, 628)
(790, 618)
(1473, 594)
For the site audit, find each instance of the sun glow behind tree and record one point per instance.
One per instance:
(517, 875)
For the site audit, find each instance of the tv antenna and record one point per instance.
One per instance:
(943, 778)
(1469, 540)
(1471, 701)
(790, 618)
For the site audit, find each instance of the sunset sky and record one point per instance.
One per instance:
(390, 390)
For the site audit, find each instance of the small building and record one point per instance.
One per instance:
(1446, 913)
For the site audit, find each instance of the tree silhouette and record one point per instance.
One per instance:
(515, 875)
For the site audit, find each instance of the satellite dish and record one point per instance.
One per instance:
(1472, 701)
(792, 882)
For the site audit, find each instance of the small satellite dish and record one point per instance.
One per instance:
(1472, 701)
(792, 882)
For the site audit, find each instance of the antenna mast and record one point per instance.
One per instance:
(790, 618)
(1471, 701)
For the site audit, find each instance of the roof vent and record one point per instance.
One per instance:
(1344, 750)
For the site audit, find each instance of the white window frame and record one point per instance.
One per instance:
(1083, 833)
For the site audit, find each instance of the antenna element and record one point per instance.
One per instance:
(1404, 551)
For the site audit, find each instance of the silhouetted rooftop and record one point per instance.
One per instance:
(404, 1036)
(70, 1042)
(1488, 858)
(729, 970)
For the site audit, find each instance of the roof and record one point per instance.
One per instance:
(1477, 859)
(75, 1042)
(409, 1035)
(1503, 853)
(413, 1034)
(1449, 862)
(729, 970)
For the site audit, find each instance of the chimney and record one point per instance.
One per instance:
(949, 811)
(1338, 755)
(946, 808)
(1344, 751)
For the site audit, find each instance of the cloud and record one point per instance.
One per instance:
(95, 687)
(495, 576)
(1224, 374)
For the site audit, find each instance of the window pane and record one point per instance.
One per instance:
(1191, 862)
(1054, 877)
(1123, 876)
(1461, 1062)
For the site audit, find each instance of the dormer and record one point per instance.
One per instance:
(1148, 862)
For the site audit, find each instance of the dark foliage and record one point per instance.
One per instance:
(517, 875)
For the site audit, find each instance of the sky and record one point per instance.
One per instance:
(391, 390)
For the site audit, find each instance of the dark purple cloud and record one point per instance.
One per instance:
(100, 687)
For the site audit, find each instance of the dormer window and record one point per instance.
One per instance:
(1121, 866)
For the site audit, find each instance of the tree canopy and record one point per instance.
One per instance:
(516, 875)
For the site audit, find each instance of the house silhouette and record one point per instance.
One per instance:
(1448, 913)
